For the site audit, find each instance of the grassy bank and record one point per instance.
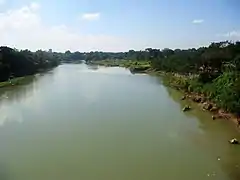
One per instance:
(223, 90)
(134, 66)
(219, 96)
(12, 82)
(216, 93)
(21, 80)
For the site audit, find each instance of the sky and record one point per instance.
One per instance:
(117, 25)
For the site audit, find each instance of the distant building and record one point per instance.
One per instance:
(50, 50)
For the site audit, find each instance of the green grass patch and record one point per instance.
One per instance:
(12, 82)
(122, 63)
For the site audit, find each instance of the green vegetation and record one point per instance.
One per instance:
(212, 71)
(215, 75)
(12, 82)
(223, 90)
(134, 66)
(14, 64)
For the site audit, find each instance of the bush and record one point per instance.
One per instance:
(228, 91)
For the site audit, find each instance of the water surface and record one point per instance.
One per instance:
(90, 123)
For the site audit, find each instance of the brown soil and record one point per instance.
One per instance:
(207, 105)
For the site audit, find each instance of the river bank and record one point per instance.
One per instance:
(20, 80)
(133, 66)
(177, 81)
(77, 120)
(206, 104)
(12, 82)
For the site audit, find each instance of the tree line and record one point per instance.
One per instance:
(14, 63)
(216, 57)
(212, 71)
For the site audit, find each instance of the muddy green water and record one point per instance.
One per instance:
(86, 123)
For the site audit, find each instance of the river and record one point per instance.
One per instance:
(97, 123)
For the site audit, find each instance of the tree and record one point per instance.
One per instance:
(21, 63)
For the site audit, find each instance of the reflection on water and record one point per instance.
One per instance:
(219, 131)
(17, 99)
(16, 92)
(93, 67)
(96, 123)
(10, 97)
(105, 70)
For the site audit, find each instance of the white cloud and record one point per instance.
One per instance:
(24, 28)
(34, 6)
(197, 21)
(91, 16)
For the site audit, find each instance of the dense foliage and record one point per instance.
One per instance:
(213, 71)
(14, 63)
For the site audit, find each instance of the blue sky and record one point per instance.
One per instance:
(118, 25)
